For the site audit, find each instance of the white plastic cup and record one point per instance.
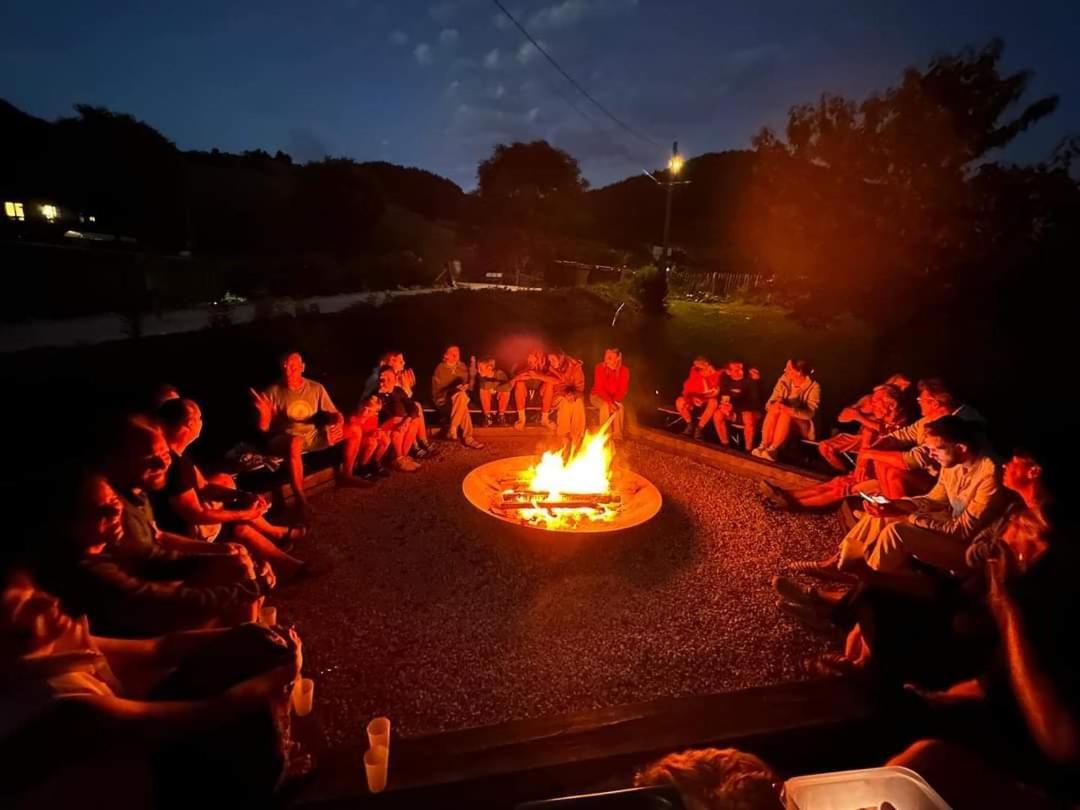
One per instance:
(378, 732)
(303, 696)
(268, 616)
(377, 765)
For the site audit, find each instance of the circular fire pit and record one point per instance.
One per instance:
(501, 489)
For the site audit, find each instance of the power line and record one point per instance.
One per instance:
(622, 124)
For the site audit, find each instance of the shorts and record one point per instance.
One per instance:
(314, 441)
(499, 387)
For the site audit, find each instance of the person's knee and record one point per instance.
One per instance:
(222, 480)
(920, 754)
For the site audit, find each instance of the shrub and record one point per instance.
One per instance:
(649, 288)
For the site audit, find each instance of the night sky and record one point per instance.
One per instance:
(436, 83)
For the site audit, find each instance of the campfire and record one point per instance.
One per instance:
(575, 490)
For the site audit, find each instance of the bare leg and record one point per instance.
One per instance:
(682, 405)
(768, 430)
(296, 471)
(263, 548)
(421, 425)
(750, 422)
(504, 402)
(547, 393)
(409, 436)
(460, 418)
(485, 402)
(350, 451)
(707, 413)
(781, 431)
(720, 425)
(521, 395)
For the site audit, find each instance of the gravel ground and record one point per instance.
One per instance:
(441, 617)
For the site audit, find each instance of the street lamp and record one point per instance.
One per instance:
(675, 164)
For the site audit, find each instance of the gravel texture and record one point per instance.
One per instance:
(441, 617)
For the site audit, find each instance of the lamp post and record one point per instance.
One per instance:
(675, 164)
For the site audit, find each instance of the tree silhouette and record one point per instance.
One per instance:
(875, 206)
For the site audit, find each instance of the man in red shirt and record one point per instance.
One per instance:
(610, 384)
(699, 393)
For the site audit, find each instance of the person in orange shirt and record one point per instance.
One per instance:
(610, 385)
(699, 395)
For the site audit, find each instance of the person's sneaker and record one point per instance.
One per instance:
(546, 423)
(489, 420)
(520, 423)
(405, 464)
(757, 451)
(689, 429)
(769, 454)
(773, 495)
(503, 420)
(791, 591)
(419, 452)
(811, 617)
(472, 444)
(822, 569)
(699, 433)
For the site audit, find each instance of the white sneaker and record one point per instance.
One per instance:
(405, 464)
(769, 455)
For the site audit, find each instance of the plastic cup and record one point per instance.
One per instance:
(376, 765)
(303, 696)
(378, 732)
(268, 616)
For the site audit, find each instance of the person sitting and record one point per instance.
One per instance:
(396, 422)
(896, 465)
(405, 378)
(738, 397)
(194, 505)
(938, 527)
(450, 384)
(611, 382)
(568, 396)
(141, 592)
(791, 409)
(875, 415)
(716, 779)
(1019, 745)
(492, 382)
(206, 711)
(698, 401)
(374, 442)
(298, 417)
(526, 379)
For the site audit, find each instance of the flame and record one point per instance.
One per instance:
(587, 471)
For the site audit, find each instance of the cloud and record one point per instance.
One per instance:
(498, 91)
(533, 114)
(399, 38)
(491, 59)
(570, 12)
(501, 21)
(422, 54)
(449, 36)
(527, 52)
(444, 11)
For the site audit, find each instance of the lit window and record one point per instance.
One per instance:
(14, 210)
(50, 212)
(92, 218)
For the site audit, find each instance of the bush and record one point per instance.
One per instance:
(649, 288)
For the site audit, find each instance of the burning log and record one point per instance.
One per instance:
(524, 496)
(550, 505)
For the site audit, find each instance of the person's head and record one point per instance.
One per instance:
(486, 367)
(798, 371)
(535, 360)
(716, 779)
(703, 365)
(181, 421)
(612, 358)
(31, 620)
(163, 393)
(736, 369)
(292, 368)
(886, 401)
(934, 399)
(140, 457)
(900, 381)
(556, 358)
(394, 359)
(1022, 472)
(952, 440)
(92, 515)
(452, 355)
(387, 379)
(372, 404)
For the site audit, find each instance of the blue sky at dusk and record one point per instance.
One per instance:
(436, 83)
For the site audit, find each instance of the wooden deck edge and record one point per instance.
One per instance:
(729, 460)
(474, 755)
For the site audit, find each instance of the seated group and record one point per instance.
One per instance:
(950, 578)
